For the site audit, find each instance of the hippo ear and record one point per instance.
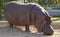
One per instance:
(48, 20)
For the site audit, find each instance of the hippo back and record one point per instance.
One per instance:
(17, 13)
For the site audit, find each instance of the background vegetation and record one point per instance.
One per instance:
(47, 4)
(55, 18)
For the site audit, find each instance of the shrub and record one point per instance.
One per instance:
(2, 2)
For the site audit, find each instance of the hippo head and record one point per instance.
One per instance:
(48, 30)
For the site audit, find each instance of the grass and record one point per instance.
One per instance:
(55, 18)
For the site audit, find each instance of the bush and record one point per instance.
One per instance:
(1, 14)
(55, 18)
(2, 2)
(48, 7)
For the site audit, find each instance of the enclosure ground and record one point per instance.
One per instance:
(5, 31)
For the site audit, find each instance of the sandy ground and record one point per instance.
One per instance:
(6, 32)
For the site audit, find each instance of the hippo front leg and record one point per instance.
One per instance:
(10, 25)
(27, 28)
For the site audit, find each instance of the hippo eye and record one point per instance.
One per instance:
(48, 20)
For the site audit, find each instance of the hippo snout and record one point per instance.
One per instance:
(48, 30)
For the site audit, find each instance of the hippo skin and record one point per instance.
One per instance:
(25, 14)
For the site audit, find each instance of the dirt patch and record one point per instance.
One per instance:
(7, 32)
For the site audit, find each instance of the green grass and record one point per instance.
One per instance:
(55, 18)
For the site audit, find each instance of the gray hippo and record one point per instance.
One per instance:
(28, 14)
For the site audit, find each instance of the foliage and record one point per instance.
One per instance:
(1, 7)
(45, 2)
(55, 18)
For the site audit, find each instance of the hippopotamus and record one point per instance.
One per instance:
(28, 14)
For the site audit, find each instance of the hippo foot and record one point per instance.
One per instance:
(10, 28)
(27, 30)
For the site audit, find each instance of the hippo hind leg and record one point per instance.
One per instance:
(27, 28)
